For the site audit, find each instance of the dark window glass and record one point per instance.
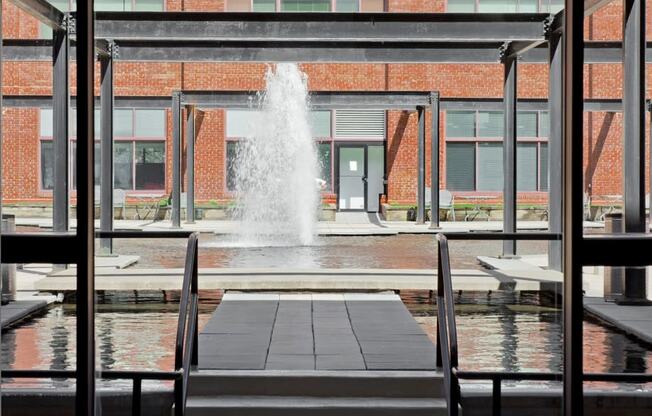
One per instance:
(231, 154)
(325, 163)
(47, 165)
(123, 165)
(460, 124)
(460, 166)
(150, 165)
(490, 166)
(305, 5)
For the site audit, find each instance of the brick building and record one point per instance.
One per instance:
(470, 152)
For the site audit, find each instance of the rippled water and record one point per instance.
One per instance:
(500, 331)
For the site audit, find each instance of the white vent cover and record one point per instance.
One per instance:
(360, 123)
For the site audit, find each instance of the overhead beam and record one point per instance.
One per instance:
(315, 27)
(43, 11)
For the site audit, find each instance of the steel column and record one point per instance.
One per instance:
(555, 150)
(634, 137)
(176, 159)
(106, 151)
(434, 160)
(60, 113)
(573, 93)
(190, 165)
(421, 166)
(649, 109)
(509, 154)
(85, 237)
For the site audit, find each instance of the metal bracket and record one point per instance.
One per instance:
(434, 97)
(114, 49)
(69, 23)
(503, 51)
(547, 26)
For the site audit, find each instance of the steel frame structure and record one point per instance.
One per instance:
(372, 37)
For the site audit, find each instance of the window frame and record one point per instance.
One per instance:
(133, 140)
(543, 6)
(333, 7)
(477, 140)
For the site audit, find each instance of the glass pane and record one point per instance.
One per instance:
(123, 123)
(460, 124)
(460, 6)
(490, 123)
(231, 155)
(46, 126)
(150, 123)
(150, 165)
(47, 165)
(72, 122)
(325, 163)
(264, 5)
(123, 165)
(497, 6)
(149, 5)
(543, 163)
(528, 6)
(112, 5)
(544, 124)
(239, 123)
(460, 166)
(98, 164)
(305, 5)
(526, 124)
(556, 5)
(97, 123)
(490, 167)
(347, 6)
(526, 167)
(320, 122)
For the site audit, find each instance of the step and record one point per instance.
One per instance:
(389, 384)
(313, 406)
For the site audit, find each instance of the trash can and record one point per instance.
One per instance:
(8, 270)
(614, 277)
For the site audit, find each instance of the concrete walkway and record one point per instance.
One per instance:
(26, 304)
(314, 332)
(635, 320)
(345, 225)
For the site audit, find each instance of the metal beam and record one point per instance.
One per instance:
(106, 153)
(509, 153)
(434, 160)
(190, 164)
(60, 114)
(573, 307)
(43, 11)
(555, 150)
(631, 249)
(634, 138)
(421, 165)
(57, 248)
(85, 246)
(176, 159)
(313, 27)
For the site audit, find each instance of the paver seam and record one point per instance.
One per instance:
(312, 328)
(348, 315)
(271, 333)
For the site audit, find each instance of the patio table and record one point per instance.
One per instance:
(147, 204)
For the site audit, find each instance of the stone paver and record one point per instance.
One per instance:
(635, 320)
(314, 332)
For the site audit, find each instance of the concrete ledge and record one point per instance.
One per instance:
(17, 310)
(634, 320)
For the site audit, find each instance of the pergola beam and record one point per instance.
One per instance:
(317, 27)
(43, 11)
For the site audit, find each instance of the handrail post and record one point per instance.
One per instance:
(194, 290)
(439, 299)
(136, 397)
(496, 397)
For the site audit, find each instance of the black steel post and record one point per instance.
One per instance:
(573, 93)
(555, 149)
(176, 159)
(634, 138)
(434, 160)
(85, 238)
(421, 166)
(649, 109)
(509, 154)
(60, 113)
(106, 149)
(190, 165)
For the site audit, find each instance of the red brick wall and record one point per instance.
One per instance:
(603, 131)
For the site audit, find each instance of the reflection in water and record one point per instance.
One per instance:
(500, 331)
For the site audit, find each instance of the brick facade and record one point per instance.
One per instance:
(602, 133)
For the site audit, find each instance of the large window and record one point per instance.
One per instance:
(138, 149)
(327, 128)
(504, 6)
(305, 5)
(474, 151)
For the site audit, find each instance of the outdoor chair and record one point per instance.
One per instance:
(445, 202)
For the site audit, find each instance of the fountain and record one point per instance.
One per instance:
(275, 170)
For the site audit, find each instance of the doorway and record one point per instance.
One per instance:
(360, 177)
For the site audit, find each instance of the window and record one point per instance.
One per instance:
(474, 151)
(305, 5)
(504, 6)
(325, 162)
(231, 154)
(138, 149)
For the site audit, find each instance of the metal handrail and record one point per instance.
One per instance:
(447, 349)
(186, 345)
